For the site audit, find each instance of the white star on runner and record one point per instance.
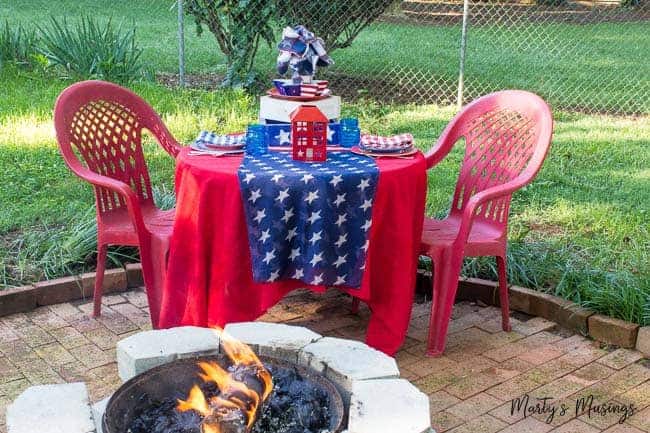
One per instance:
(282, 194)
(274, 275)
(265, 235)
(261, 214)
(340, 280)
(366, 204)
(336, 180)
(317, 279)
(298, 274)
(292, 234)
(307, 177)
(341, 219)
(365, 183)
(340, 260)
(287, 215)
(330, 133)
(342, 239)
(255, 194)
(249, 177)
(315, 237)
(269, 256)
(366, 245)
(340, 198)
(367, 225)
(276, 177)
(315, 216)
(283, 136)
(295, 252)
(317, 258)
(313, 195)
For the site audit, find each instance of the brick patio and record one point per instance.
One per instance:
(470, 388)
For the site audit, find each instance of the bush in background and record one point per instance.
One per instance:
(91, 50)
(17, 45)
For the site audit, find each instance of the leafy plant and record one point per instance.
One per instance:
(17, 45)
(239, 26)
(337, 22)
(92, 50)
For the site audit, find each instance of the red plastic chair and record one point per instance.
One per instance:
(102, 123)
(507, 136)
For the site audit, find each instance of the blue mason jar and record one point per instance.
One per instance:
(256, 140)
(350, 132)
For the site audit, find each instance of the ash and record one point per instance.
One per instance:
(296, 405)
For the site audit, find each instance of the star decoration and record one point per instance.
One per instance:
(330, 133)
(276, 177)
(336, 180)
(255, 194)
(261, 214)
(298, 274)
(316, 259)
(366, 204)
(295, 252)
(269, 256)
(313, 195)
(284, 136)
(315, 237)
(365, 183)
(292, 234)
(307, 177)
(366, 225)
(274, 275)
(265, 235)
(340, 198)
(287, 215)
(342, 239)
(315, 216)
(341, 219)
(340, 280)
(282, 194)
(317, 279)
(366, 245)
(340, 260)
(249, 177)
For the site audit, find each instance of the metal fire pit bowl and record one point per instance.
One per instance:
(174, 380)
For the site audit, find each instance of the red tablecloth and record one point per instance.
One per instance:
(209, 278)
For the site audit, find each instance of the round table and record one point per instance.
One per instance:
(209, 276)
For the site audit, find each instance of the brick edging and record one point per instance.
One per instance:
(559, 310)
(565, 313)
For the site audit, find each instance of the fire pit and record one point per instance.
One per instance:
(301, 401)
(188, 380)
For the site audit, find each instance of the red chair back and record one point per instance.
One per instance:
(507, 136)
(102, 124)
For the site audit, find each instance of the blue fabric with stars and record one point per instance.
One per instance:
(308, 221)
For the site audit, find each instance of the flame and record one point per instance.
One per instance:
(234, 394)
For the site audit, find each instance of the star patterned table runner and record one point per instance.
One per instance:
(308, 221)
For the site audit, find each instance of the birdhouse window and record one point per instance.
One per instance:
(302, 126)
(302, 141)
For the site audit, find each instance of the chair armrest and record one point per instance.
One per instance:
(438, 152)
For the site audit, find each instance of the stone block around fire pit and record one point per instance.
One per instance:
(273, 339)
(98, 410)
(388, 406)
(145, 350)
(346, 361)
(61, 408)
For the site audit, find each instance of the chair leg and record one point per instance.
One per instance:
(503, 293)
(102, 250)
(445, 284)
(354, 309)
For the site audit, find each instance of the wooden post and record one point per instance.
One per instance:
(181, 45)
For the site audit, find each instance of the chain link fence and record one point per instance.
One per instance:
(586, 56)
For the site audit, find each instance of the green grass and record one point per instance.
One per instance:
(580, 230)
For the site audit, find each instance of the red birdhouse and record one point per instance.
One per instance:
(309, 134)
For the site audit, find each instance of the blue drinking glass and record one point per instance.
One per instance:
(350, 132)
(256, 140)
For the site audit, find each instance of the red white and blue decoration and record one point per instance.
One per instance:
(301, 52)
(308, 221)
(309, 134)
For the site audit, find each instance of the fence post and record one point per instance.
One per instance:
(463, 46)
(181, 45)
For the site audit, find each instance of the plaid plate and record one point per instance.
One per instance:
(396, 143)
(211, 139)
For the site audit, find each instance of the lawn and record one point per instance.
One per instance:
(580, 230)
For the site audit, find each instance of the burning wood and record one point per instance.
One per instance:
(243, 388)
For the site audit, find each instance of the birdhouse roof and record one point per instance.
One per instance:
(308, 113)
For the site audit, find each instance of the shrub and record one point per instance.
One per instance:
(92, 50)
(17, 45)
(238, 26)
